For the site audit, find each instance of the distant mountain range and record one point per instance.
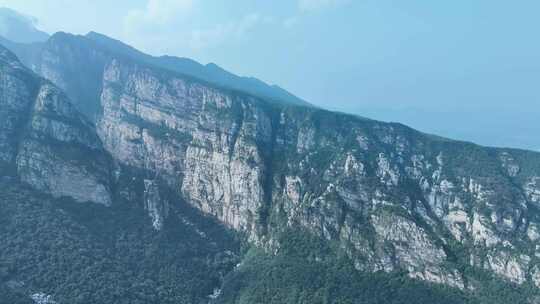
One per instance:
(211, 72)
(18, 33)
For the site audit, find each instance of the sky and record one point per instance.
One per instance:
(463, 69)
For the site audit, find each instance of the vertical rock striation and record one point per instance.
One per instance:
(45, 141)
(390, 197)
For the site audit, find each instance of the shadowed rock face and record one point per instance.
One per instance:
(390, 197)
(210, 73)
(19, 28)
(76, 64)
(45, 141)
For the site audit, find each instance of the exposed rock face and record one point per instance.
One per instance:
(48, 143)
(389, 196)
(41, 298)
(75, 67)
(17, 90)
(157, 207)
(392, 197)
(169, 128)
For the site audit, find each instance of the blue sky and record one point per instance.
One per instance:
(463, 69)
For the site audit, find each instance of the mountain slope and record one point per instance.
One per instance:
(60, 247)
(45, 141)
(210, 72)
(88, 253)
(79, 81)
(304, 183)
(19, 28)
(391, 197)
(26, 52)
(61, 233)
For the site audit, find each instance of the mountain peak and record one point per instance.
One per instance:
(211, 72)
(20, 28)
(184, 164)
(62, 36)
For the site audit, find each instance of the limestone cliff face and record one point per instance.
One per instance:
(393, 198)
(390, 197)
(202, 142)
(45, 141)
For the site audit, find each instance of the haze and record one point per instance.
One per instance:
(463, 69)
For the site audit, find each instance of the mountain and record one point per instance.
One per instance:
(26, 52)
(19, 28)
(195, 192)
(211, 72)
(45, 141)
(63, 240)
(100, 48)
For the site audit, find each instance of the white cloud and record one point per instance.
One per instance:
(157, 13)
(159, 25)
(163, 26)
(203, 38)
(309, 6)
(314, 5)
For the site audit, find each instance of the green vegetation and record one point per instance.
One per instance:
(282, 279)
(90, 254)
(297, 275)
(307, 270)
(82, 253)
(160, 130)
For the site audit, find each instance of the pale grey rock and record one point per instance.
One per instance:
(533, 232)
(49, 144)
(53, 155)
(535, 275)
(481, 231)
(413, 249)
(532, 189)
(508, 264)
(509, 164)
(370, 188)
(42, 298)
(156, 206)
(386, 172)
(40, 167)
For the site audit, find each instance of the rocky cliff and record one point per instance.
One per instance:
(389, 197)
(45, 140)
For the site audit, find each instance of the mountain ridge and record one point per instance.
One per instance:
(210, 72)
(19, 28)
(384, 196)
(153, 89)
